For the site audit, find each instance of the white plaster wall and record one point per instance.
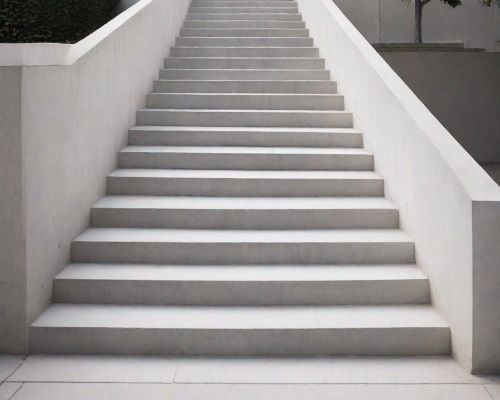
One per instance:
(74, 119)
(391, 21)
(12, 227)
(462, 90)
(365, 15)
(444, 197)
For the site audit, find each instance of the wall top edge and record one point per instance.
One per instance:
(58, 54)
(475, 181)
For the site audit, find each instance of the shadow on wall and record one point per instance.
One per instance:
(392, 21)
(124, 4)
(462, 89)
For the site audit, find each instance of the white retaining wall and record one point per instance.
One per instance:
(391, 21)
(449, 205)
(64, 114)
(462, 89)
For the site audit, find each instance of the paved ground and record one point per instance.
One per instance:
(149, 378)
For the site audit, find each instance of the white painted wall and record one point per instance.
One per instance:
(12, 206)
(448, 204)
(391, 21)
(462, 90)
(64, 114)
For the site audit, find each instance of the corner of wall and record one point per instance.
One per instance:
(13, 330)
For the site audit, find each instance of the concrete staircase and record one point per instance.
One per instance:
(245, 217)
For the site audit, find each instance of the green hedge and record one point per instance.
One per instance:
(59, 21)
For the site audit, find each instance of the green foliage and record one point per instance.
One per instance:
(60, 21)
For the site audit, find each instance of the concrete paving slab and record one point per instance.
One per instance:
(8, 365)
(93, 391)
(328, 392)
(96, 369)
(355, 370)
(7, 389)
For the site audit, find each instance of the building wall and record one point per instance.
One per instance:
(462, 90)
(12, 215)
(391, 21)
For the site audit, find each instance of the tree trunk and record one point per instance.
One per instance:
(418, 20)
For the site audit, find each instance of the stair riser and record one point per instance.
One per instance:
(247, 3)
(244, 52)
(265, 138)
(244, 187)
(351, 162)
(244, 42)
(228, 75)
(245, 102)
(232, 16)
(251, 342)
(310, 87)
(245, 63)
(248, 119)
(230, 32)
(241, 293)
(244, 253)
(243, 10)
(245, 219)
(246, 24)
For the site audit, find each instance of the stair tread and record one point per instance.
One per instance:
(243, 203)
(211, 95)
(290, 81)
(245, 58)
(242, 273)
(247, 47)
(266, 70)
(239, 317)
(243, 174)
(145, 235)
(248, 111)
(165, 128)
(245, 150)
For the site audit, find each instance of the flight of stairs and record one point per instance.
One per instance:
(245, 217)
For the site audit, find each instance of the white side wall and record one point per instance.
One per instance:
(67, 112)
(12, 218)
(448, 204)
(462, 90)
(391, 21)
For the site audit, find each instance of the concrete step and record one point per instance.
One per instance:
(248, 24)
(241, 285)
(246, 158)
(248, 118)
(252, 247)
(257, 52)
(244, 213)
(230, 136)
(193, 330)
(244, 42)
(244, 63)
(175, 182)
(243, 16)
(243, 32)
(215, 86)
(243, 3)
(245, 74)
(243, 10)
(245, 101)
